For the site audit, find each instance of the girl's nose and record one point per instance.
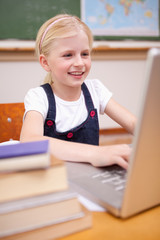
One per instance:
(78, 61)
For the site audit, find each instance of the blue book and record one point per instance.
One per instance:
(24, 156)
(23, 149)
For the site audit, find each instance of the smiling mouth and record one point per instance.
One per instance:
(76, 73)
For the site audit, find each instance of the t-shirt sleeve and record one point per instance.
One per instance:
(100, 94)
(104, 95)
(36, 100)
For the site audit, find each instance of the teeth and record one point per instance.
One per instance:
(76, 73)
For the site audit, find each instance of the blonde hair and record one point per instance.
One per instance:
(60, 26)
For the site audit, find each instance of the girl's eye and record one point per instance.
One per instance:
(67, 55)
(85, 54)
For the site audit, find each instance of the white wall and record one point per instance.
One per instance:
(123, 78)
(17, 78)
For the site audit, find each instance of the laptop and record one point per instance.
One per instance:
(126, 193)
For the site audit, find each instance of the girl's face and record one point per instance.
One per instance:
(69, 61)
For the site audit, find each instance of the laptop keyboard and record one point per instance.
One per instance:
(113, 175)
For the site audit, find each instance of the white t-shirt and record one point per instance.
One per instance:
(68, 114)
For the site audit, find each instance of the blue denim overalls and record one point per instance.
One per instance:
(86, 132)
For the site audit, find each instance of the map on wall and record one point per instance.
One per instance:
(121, 17)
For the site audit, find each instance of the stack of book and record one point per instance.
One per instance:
(35, 201)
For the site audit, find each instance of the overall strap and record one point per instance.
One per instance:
(51, 101)
(88, 98)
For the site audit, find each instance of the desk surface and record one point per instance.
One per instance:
(144, 226)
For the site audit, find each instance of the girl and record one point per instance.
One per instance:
(65, 110)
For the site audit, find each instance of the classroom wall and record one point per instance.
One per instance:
(123, 77)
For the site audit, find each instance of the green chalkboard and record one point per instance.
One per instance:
(21, 19)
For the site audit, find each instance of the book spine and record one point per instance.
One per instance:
(25, 163)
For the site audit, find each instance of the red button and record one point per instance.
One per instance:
(92, 113)
(49, 123)
(70, 135)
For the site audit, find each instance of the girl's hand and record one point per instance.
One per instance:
(112, 154)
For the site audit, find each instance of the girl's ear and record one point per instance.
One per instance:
(44, 62)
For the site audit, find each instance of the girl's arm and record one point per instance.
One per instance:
(32, 130)
(121, 115)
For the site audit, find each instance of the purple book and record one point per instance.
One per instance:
(24, 149)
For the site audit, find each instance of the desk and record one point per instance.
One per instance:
(144, 226)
